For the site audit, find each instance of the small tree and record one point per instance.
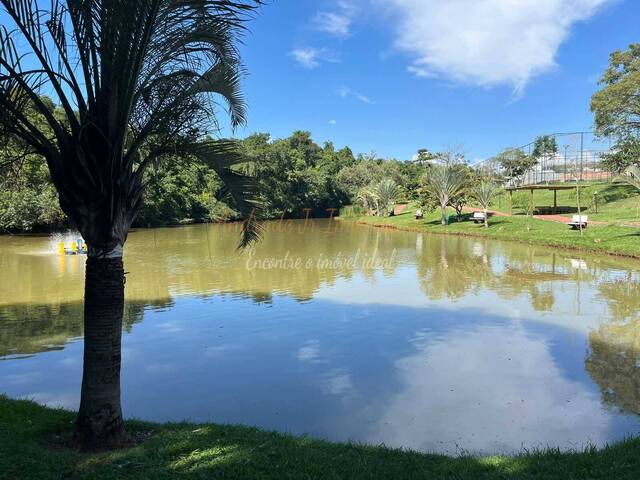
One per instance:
(445, 182)
(459, 201)
(484, 193)
(516, 163)
(544, 145)
(387, 191)
(368, 198)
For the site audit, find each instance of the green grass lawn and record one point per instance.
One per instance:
(32, 447)
(617, 203)
(612, 239)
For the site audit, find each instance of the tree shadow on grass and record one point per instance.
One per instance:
(634, 234)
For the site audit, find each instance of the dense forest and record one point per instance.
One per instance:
(294, 176)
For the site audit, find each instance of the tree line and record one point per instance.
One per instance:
(295, 177)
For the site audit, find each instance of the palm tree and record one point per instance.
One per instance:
(484, 193)
(368, 197)
(444, 182)
(387, 190)
(135, 81)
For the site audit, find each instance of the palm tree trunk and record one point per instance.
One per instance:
(486, 218)
(443, 215)
(99, 424)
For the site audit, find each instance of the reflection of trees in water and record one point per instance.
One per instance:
(452, 267)
(614, 356)
(203, 260)
(200, 261)
(614, 364)
(28, 329)
(534, 272)
(622, 296)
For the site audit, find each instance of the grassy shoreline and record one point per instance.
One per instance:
(31, 446)
(608, 239)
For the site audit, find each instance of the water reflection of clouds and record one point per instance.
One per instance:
(337, 382)
(580, 313)
(310, 352)
(520, 396)
(420, 378)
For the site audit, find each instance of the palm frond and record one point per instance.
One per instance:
(124, 72)
(484, 193)
(445, 181)
(240, 191)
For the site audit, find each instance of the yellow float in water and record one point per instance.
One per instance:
(75, 248)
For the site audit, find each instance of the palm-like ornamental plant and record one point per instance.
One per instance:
(368, 197)
(134, 81)
(483, 193)
(386, 191)
(444, 182)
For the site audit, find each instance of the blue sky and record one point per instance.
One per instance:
(393, 76)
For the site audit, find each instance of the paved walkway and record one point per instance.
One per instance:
(548, 218)
(398, 209)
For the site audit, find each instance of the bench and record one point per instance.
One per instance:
(578, 221)
(478, 217)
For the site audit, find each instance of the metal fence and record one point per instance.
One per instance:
(578, 157)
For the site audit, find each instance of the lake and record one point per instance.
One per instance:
(344, 332)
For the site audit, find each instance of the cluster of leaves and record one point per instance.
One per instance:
(181, 188)
(297, 177)
(515, 162)
(450, 182)
(379, 197)
(446, 182)
(28, 200)
(544, 145)
(625, 154)
(294, 177)
(616, 107)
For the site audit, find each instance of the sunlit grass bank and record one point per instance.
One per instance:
(614, 239)
(32, 447)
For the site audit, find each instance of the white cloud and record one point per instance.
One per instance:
(310, 57)
(345, 92)
(332, 122)
(420, 72)
(487, 42)
(333, 23)
(307, 57)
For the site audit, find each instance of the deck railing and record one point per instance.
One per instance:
(578, 157)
